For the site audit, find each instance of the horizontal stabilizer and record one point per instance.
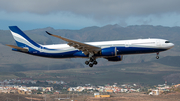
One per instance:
(18, 48)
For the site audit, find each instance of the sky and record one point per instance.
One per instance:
(78, 14)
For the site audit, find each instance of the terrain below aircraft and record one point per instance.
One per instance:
(110, 50)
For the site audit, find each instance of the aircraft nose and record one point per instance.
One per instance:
(171, 45)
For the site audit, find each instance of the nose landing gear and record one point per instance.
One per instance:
(157, 57)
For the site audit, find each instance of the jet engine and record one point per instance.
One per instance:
(110, 51)
(115, 58)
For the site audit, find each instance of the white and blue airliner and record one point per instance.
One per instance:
(110, 50)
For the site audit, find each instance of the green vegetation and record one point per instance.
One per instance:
(143, 73)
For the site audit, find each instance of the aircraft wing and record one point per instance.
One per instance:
(86, 48)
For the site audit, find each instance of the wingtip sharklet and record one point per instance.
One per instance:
(48, 33)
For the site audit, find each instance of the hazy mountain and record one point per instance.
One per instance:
(10, 59)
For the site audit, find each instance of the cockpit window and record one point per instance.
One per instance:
(167, 41)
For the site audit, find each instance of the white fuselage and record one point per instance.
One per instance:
(160, 44)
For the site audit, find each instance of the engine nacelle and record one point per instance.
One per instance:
(115, 58)
(110, 51)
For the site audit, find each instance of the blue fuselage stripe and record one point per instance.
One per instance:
(77, 53)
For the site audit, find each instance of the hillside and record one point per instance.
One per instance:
(167, 66)
(109, 32)
(146, 73)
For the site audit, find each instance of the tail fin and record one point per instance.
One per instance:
(22, 40)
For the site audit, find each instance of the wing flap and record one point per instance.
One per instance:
(86, 48)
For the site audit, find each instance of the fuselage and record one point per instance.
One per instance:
(122, 47)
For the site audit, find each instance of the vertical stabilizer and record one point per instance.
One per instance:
(22, 39)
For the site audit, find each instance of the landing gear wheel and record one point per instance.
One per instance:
(95, 62)
(86, 62)
(157, 57)
(90, 65)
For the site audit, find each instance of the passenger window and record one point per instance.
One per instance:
(167, 41)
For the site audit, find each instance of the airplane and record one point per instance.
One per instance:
(110, 50)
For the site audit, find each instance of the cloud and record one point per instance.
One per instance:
(83, 13)
(58, 20)
(97, 8)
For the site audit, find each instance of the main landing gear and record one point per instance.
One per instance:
(157, 57)
(91, 62)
